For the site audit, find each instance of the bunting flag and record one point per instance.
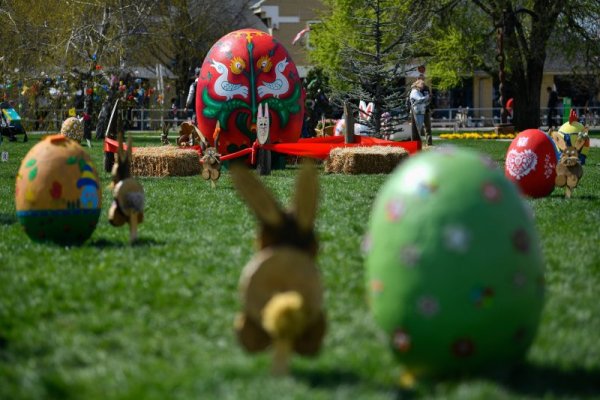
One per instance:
(300, 34)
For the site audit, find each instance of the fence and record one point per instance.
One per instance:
(151, 119)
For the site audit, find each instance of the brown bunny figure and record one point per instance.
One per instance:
(128, 194)
(211, 159)
(280, 286)
(190, 135)
(568, 169)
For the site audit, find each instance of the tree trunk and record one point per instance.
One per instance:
(527, 98)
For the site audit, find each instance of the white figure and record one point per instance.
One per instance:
(225, 88)
(279, 86)
(262, 124)
(364, 114)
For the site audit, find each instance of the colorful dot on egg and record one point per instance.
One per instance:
(463, 347)
(520, 241)
(457, 238)
(395, 210)
(410, 255)
(428, 306)
(491, 192)
(401, 341)
(376, 286)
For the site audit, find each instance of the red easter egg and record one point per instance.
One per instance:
(531, 163)
(245, 69)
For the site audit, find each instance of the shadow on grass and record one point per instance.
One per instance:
(543, 381)
(7, 219)
(574, 197)
(325, 379)
(103, 243)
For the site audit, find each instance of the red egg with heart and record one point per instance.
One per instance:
(243, 70)
(531, 163)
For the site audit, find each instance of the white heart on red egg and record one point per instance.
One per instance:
(520, 163)
(531, 163)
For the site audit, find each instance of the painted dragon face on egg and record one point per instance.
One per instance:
(242, 71)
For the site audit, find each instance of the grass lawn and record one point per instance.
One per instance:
(154, 321)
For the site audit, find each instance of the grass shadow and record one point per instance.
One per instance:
(7, 219)
(326, 379)
(103, 243)
(543, 381)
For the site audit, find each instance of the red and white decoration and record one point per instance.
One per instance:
(531, 163)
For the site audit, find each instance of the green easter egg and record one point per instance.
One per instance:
(454, 266)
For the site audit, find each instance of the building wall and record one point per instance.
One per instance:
(285, 19)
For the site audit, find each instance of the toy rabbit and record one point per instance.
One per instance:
(280, 286)
(190, 135)
(568, 169)
(211, 160)
(128, 194)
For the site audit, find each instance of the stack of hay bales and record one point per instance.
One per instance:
(165, 161)
(365, 160)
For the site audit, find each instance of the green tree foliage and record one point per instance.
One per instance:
(463, 38)
(365, 47)
(184, 31)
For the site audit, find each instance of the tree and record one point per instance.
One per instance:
(365, 48)
(529, 28)
(185, 30)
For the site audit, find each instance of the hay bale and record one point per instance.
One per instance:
(365, 160)
(165, 161)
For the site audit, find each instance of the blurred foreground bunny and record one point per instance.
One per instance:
(280, 286)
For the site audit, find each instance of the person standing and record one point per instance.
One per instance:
(552, 108)
(190, 103)
(419, 98)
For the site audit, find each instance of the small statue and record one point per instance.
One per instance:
(190, 135)
(211, 159)
(128, 194)
(568, 169)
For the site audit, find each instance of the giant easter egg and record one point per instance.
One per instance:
(531, 163)
(58, 194)
(243, 69)
(454, 266)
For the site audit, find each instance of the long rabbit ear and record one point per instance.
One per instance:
(120, 151)
(307, 196)
(370, 110)
(559, 140)
(580, 143)
(129, 148)
(256, 195)
(362, 109)
(259, 113)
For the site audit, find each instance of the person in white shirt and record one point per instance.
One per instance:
(421, 115)
(190, 103)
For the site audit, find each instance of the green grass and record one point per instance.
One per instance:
(154, 321)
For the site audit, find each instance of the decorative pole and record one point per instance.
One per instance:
(504, 126)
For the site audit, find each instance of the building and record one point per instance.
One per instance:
(289, 22)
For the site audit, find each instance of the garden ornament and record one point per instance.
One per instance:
(190, 135)
(455, 274)
(572, 130)
(280, 286)
(58, 194)
(211, 159)
(72, 128)
(128, 193)
(569, 170)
